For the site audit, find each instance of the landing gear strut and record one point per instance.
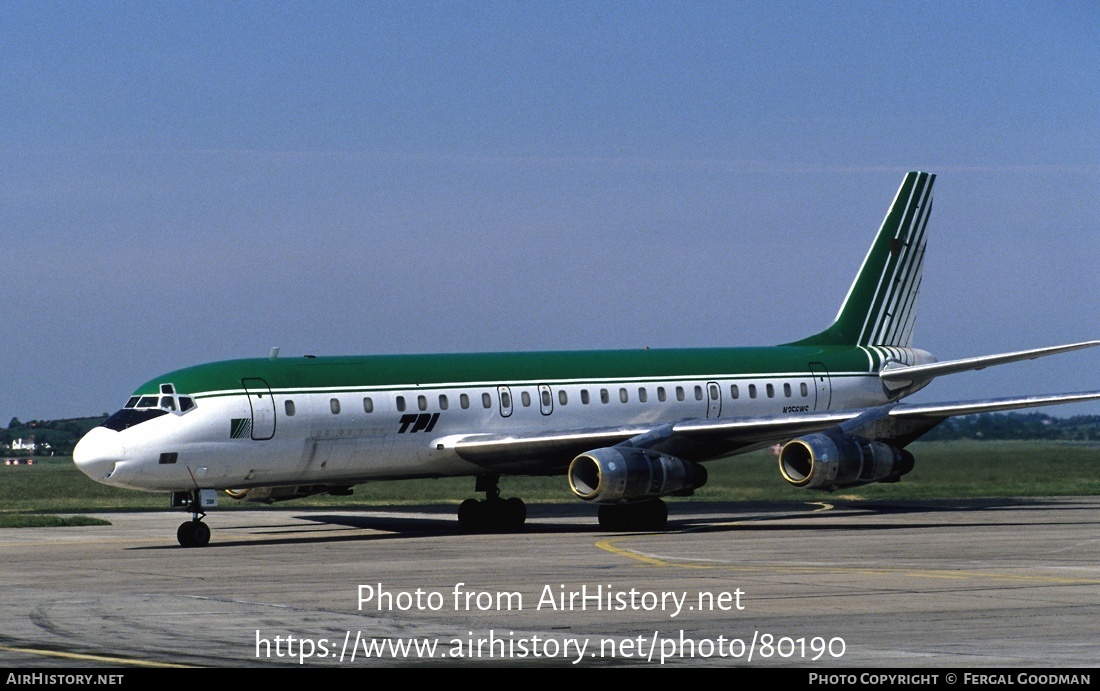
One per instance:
(651, 514)
(491, 513)
(194, 533)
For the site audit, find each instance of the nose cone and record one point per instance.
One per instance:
(97, 453)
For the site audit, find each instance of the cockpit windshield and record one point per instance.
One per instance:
(128, 417)
(141, 408)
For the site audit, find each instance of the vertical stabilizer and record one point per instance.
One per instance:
(881, 304)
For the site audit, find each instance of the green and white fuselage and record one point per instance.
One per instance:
(345, 420)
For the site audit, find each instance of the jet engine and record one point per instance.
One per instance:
(269, 495)
(828, 461)
(617, 475)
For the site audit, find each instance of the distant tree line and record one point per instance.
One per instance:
(51, 437)
(1018, 426)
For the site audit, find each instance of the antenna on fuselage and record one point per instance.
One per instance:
(274, 353)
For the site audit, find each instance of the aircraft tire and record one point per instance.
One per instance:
(193, 534)
(201, 534)
(471, 516)
(185, 534)
(514, 513)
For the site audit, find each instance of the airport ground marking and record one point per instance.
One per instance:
(611, 545)
(92, 658)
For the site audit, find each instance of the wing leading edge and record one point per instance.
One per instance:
(898, 424)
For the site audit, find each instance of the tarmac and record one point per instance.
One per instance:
(962, 584)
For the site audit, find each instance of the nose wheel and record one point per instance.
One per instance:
(194, 533)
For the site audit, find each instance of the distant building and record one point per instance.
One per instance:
(23, 444)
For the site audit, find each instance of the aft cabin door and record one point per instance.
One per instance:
(263, 408)
(714, 400)
(822, 385)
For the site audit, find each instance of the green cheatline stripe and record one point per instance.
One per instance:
(391, 372)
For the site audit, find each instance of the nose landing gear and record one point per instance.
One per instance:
(193, 533)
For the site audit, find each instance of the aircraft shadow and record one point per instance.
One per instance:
(432, 521)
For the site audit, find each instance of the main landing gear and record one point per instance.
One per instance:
(193, 533)
(491, 513)
(651, 514)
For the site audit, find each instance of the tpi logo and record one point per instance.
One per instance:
(424, 422)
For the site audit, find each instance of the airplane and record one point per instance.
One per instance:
(625, 427)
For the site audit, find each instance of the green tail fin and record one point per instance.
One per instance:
(881, 304)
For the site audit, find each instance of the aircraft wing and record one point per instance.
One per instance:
(700, 439)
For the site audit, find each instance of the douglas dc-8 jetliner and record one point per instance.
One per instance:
(625, 427)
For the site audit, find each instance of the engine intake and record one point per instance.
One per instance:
(827, 461)
(617, 475)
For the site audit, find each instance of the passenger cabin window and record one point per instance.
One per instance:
(605, 397)
(752, 390)
(334, 405)
(368, 405)
(679, 393)
(563, 397)
(584, 396)
(464, 401)
(698, 393)
(771, 391)
(734, 391)
(443, 402)
(486, 401)
(288, 406)
(547, 399)
(661, 394)
(805, 389)
(787, 390)
(400, 404)
(422, 402)
(642, 395)
(624, 397)
(713, 392)
(525, 398)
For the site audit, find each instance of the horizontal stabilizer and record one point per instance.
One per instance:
(902, 374)
(996, 405)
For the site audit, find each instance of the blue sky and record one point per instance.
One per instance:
(187, 182)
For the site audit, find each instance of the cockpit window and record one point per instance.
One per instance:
(128, 417)
(164, 402)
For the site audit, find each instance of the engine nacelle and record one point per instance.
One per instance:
(617, 475)
(269, 495)
(827, 461)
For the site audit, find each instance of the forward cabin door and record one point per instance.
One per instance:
(263, 408)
